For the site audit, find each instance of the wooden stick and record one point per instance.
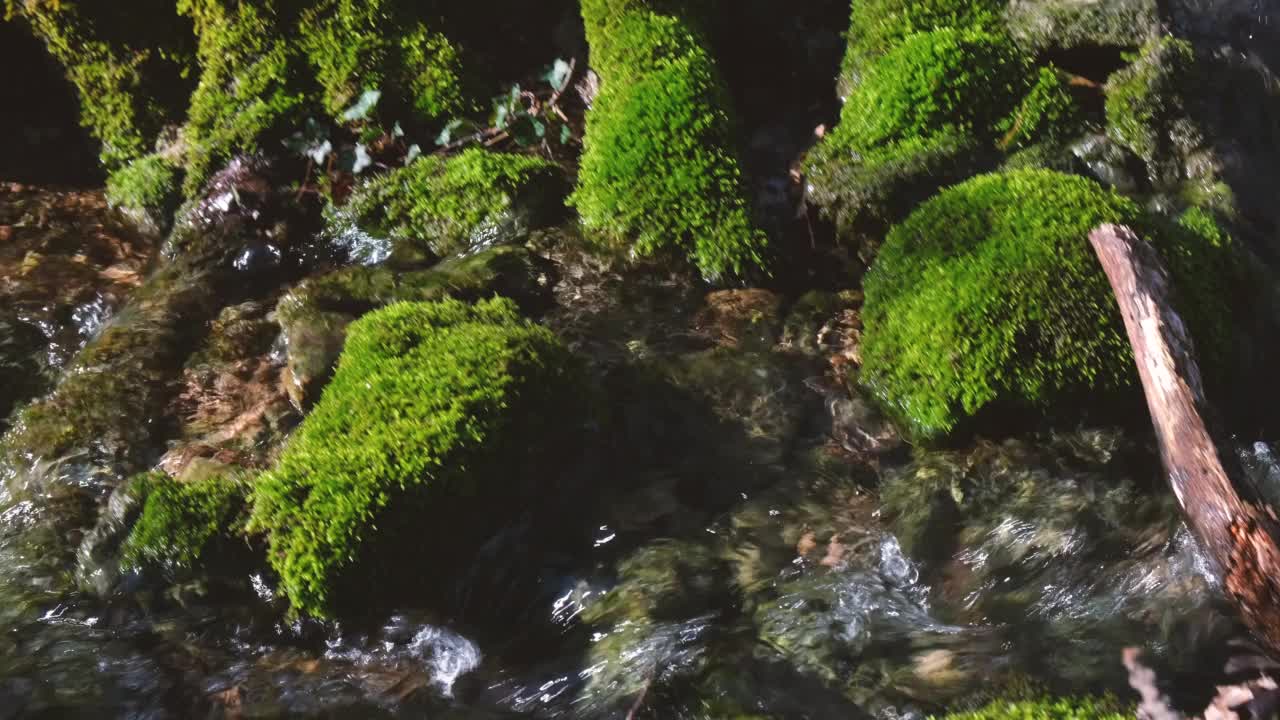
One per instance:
(1238, 532)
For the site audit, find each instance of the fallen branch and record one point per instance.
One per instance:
(1238, 532)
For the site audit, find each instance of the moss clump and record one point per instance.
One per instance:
(128, 73)
(247, 84)
(430, 401)
(1047, 115)
(147, 186)
(452, 205)
(183, 524)
(877, 26)
(357, 46)
(1048, 708)
(922, 111)
(1145, 101)
(657, 166)
(990, 291)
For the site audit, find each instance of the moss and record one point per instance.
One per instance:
(1048, 708)
(455, 204)
(1040, 25)
(1145, 100)
(877, 26)
(357, 46)
(147, 187)
(920, 114)
(107, 399)
(182, 524)
(127, 73)
(1047, 115)
(430, 401)
(248, 87)
(990, 292)
(657, 166)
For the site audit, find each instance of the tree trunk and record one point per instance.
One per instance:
(1238, 532)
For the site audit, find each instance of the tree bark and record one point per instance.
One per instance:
(1237, 531)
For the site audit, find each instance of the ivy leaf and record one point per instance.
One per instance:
(360, 110)
(397, 131)
(362, 160)
(412, 154)
(318, 153)
(557, 74)
(566, 134)
(527, 130)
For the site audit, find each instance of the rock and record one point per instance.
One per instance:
(1040, 25)
(315, 314)
(22, 364)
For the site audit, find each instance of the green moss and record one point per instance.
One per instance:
(183, 523)
(1048, 708)
(430, 401)
(920, 114)
(877, 26)
(990, 291)
(452, 205)
(127, 73)
(146, 186)
(657, 167)
(111, 391)
(357, 46)
(1047, 115)
(1145, 100)
(248, 84)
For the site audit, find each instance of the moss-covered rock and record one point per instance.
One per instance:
(431, 403)
(926, 111)
(127, 65)
(247, 89)
(184, 526)
(990, 292)
(1147, 109)
(381, 45)
(148, 189)
(658, 167)
(877, 26)
(314, 316)
(1060, 24)
(445, 206)
(108, 399)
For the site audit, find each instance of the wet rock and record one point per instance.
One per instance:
(22, 364)
(67, 261)
(314, 315)
(1060, 24)
(1108, 162)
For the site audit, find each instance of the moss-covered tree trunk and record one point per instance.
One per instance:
(1238, 532)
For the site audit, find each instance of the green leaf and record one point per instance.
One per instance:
(360, 110)
(566, 134)
(557, 74)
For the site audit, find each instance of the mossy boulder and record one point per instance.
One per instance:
(1148, 110)
(991, 293)
(184, 526)
(1040, 25)
(878, 26)
(432, 405)
(928, 110)
(444, 206)
(658, 166)
(314, 316)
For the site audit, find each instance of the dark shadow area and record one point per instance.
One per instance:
(41, 140)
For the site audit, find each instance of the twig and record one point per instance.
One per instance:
(1154, 706)
(635, 706)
